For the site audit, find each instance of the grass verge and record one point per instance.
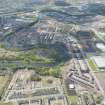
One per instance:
(74, 100)
(92, 64)
(6, 103)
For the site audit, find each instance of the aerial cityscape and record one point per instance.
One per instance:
(52, 52)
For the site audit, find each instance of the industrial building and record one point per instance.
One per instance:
(101, 46)
(99, 61)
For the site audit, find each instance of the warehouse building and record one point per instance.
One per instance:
(99, 61)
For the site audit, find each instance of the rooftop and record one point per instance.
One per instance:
(99, 61)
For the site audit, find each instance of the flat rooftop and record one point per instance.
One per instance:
(101, 46)
(99, 61)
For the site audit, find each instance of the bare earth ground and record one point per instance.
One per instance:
(7, 54)
(3, 82)
(101, 77)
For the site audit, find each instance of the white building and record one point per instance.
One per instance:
(71, 86)
(99, 61)
(101, 46)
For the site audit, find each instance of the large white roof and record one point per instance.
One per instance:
(101, 46)
(71, 86)
(99, 61)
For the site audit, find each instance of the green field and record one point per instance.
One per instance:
(58, 104)
(74, 100)
(92, 64)
(3, 83)
(3, 103)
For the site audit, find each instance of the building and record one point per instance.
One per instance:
(99, 61)
(101, 46)
(71, 86)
